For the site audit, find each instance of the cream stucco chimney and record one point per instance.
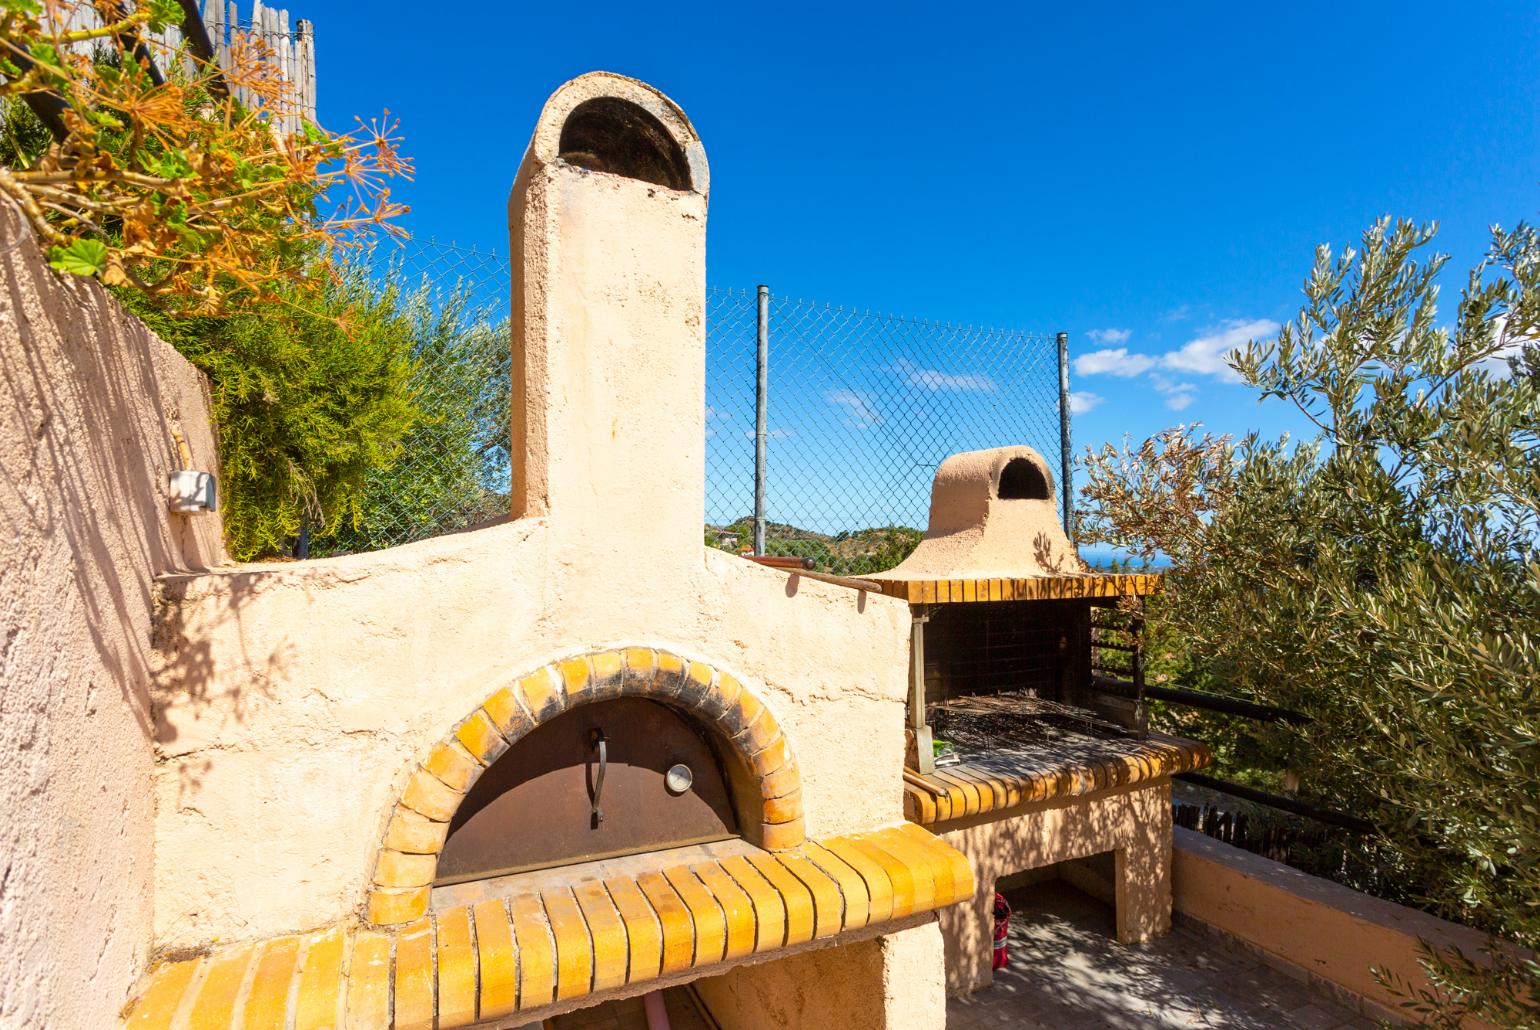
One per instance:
(608, 237)
(993, 514)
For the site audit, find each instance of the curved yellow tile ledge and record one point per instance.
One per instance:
(471, 964)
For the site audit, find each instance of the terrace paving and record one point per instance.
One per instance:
(1068, 973)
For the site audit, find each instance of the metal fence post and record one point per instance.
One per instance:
(761, 415)
(1066, 459)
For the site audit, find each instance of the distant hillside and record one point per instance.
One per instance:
(848, 553)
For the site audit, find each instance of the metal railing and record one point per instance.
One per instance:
(1120, 633)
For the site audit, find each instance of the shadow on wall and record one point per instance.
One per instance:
(96, 410)
(1049, 558)
(91, 406)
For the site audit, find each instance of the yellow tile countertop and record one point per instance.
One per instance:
(518, 953)
(1069, 586)
(1076, 765)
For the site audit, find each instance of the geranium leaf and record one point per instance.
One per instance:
(80, 257)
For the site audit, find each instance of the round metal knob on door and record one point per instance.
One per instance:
(678, 779)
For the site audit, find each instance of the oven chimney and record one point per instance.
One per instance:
(607, 221)
(993, 514)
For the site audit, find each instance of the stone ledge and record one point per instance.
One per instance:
(1312, 928)
(522, 953)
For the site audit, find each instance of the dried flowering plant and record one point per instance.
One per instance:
(171, 172)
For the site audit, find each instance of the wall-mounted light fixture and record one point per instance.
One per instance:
(190, 491)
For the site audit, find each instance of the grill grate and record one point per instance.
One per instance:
(987, 723)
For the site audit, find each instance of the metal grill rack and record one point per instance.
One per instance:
(990, 646)
(981, 725)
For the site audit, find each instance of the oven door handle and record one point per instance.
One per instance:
(596, 743)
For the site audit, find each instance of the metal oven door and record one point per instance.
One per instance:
(612, 778)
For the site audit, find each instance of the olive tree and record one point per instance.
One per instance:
(1382, 577)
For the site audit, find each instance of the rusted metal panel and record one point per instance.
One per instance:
(592, 783)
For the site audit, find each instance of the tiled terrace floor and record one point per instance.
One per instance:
(1067, 973)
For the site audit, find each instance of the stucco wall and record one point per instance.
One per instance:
(892, 982)
(294, 700)
(88, 402)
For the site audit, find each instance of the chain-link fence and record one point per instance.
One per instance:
(452, 471)
(861, 408)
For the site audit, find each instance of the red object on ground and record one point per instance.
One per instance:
(1002, 956)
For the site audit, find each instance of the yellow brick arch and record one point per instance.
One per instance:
(419, 823)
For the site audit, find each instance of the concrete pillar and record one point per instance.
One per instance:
(1143, 871)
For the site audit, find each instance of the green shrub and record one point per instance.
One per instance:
(454, 463)
(309, 399)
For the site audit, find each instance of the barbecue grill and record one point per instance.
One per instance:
(1026, 666)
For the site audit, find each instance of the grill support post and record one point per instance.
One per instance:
(919, 729)
(1066, 459)
(1142, 708)
(761, 414)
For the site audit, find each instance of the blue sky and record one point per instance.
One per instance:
(1151, 179)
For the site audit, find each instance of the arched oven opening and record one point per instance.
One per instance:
(611, 778)
(1022, 480)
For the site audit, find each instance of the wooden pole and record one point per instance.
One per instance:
(196, 34)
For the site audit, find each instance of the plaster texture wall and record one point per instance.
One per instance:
(892, 982)
(89, 401)
(975, 533)
(1334, 934)
(293, 701)
(1134, 823)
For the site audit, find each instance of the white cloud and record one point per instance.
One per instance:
(859, 410)
(1497, 365)
(1511, 344)
(713, 414)
(1113, 361)
(1205, 354)
(930, 379)
(1179, 395)
(1180, 313)
(1080, 401)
